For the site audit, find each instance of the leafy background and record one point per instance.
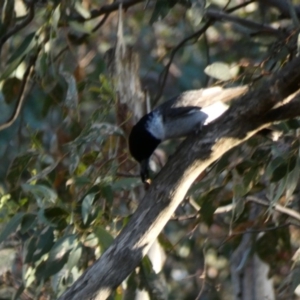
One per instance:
(64, 193)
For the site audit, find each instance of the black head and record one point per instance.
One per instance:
(142, 144)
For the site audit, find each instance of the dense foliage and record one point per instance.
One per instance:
(67, 182)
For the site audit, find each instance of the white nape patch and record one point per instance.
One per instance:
(155, 125)
(214, 111)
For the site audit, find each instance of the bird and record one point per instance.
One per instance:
(177, 118)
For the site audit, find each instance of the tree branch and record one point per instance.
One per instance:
(241, 121)
(106, 9)
(29, 17)
(164, 74)
(220, 16)
(284, 210)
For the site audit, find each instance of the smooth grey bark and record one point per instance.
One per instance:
(250, 113)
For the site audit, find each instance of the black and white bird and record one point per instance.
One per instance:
(175, 118)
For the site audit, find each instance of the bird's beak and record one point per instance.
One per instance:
(145, 170)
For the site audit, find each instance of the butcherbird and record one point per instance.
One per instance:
(176, 118)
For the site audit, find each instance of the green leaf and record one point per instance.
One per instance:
(42, 193)
(219, 70)
(239, 205)
(87, 205)
(293, 123)
(62, 246)
(273, 165)
(91, 241)
(19, 166)
(107, 192)
(23, 49)
(207, 211)
(10, 68)
(223, 162)
(196, 12)
(11, 226)
(74, 257)
(251, 177)
(292, 180)
(58, 256)
(29, 220)
(239, 190)
(51, 267)
(244, 166)
(18, 56)
(56, 216)
(104, 237)
(40, 245)
(20, 289)
(295, 277)
(280, 172)
(8, 13)
(79, 27)
(10, 89)
(279, 190)
(161, 9)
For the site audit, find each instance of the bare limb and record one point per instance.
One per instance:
(287, 211)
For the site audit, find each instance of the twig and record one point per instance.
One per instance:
(203, 277)
(127, 175)
(230, 10)
(23, 92)
(106, 9)
(287, 211)
(101, 22)
(185, 217)
(219, 15)
(83, 36)
(163, 76)
(29, 17)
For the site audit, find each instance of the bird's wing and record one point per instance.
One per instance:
(180, 112)
(203, 97)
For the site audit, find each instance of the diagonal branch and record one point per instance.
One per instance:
(196, 153)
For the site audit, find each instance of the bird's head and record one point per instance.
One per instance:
(142, 144)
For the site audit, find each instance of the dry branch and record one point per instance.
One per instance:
(249, 114)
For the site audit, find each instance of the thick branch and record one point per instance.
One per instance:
(197, 152)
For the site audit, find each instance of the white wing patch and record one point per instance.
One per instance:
(214, 111)
(155, 125)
